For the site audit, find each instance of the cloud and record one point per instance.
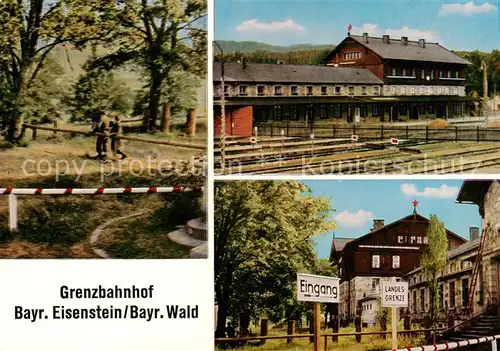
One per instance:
(467, 9)
(405, 31)
(257, 26)
(354, 220)
(444, 191)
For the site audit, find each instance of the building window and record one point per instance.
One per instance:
(400, 239)
(294, 90)
(449, 74)
(432, 74)
(260, 90)
(414, 302)
(363, 110)
(375, 261)
(293, 113)
(375, 90)
(324, 90)
(421, 110)
(375, 283)
(395, 262)
(393, 89)
(309, 90)
(425, 240)
(337, 111)
(322, 112)
(351, 90)
(226, 90)
(419, 240)
(457, 74)
(404, 72)
(422, 300)
(422, 74)
(243, 90)
(375, 110)
(394, 72)
(440, 74)
(278, 90)
(430, 108)
(441, 296)
(452, 294)
(338, 90)
(363, 90)
(414, 73)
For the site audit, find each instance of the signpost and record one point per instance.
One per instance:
(394, 295)
(394, 141)
(316, 288)
(354, 138)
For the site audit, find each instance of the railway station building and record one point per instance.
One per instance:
(366, 79)
(388, 252)
(470, 282)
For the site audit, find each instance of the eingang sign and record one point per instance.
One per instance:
(316, 288)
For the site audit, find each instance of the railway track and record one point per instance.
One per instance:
(376, 161)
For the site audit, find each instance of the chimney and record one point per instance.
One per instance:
(365, 37)
(474, 233)
(421, 43)
(377, 224)
(386, 39)
(404, 41)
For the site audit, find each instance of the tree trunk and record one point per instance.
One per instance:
(154, 100)
(166, 117)
(244, 324)
(191, 122)
(222, 307)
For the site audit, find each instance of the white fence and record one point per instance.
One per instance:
(12, 194)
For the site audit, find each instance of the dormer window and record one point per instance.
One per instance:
(226, 90)
(278, 90)
(338, 90)
(457, 74)
(432, 74)
(375, 90)
(294, 90)
(363, 90)
(422, 74)
(260, 90)
(323, 90)
(243, 90)
(404, 72)
(309, 90)
(449, 74)
(394, 72)
(440, 74)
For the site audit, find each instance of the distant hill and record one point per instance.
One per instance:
(252, 46)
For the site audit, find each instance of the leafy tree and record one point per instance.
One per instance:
(263, 237)
(161, 37)
(434, 261)
(97, 90)
(30, 31)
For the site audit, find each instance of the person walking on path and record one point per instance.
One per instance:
(116, 133)
(102, 127)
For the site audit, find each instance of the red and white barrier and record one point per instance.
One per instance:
(98, 191)
(452, 345)
(13, 192)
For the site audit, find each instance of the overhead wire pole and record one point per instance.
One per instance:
(222, 112)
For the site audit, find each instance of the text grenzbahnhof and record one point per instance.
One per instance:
(102, 292)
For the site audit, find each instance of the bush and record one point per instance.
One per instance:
(178, 209)
(438, 123)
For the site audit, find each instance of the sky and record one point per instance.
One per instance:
(358, 202)
(458, 25)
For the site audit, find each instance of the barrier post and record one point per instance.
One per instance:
(13, 213)
(317, 326)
